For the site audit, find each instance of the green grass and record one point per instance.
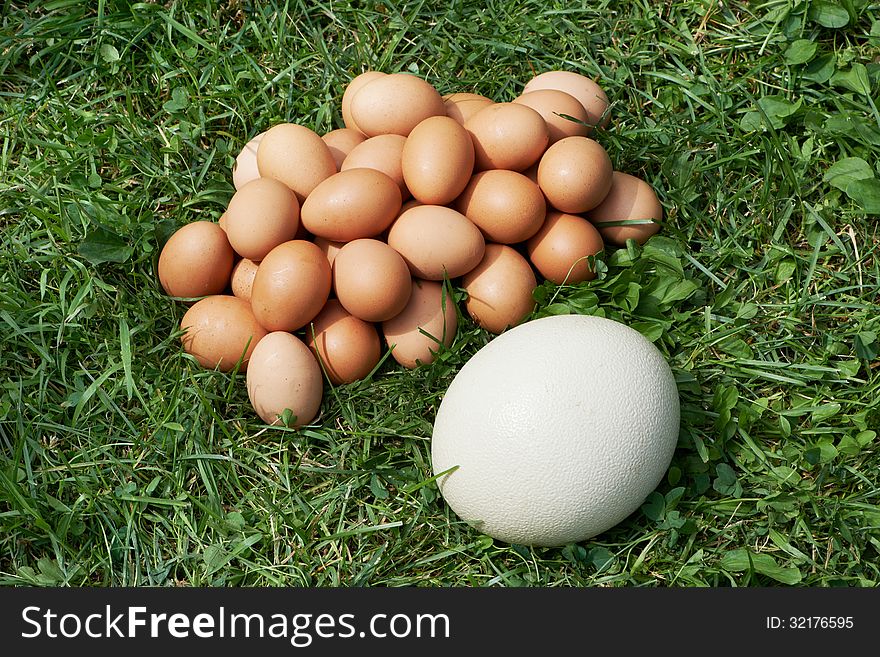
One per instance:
(122, 463)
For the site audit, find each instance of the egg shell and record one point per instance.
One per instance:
(462, 96)
(351, 204)
(242, 278)
(371, 280)
(462, 106)
(394, 104)
(329, 248)
(382, 153)
(222, 221)
(296, 156)
(436, 240)
(261, 215)
(429, 311)
(283, 374)
(587, 91)
(245, 168)
(505, 205)
(553, 106)
(196, 261)
(532, 172)
(556, 431)
(630, 198)
(412, 203)
(507, 136)
(575, 174)
(353, 87)
(220, 330)
(341, 142)
(291, 286)
(500, 289)
(348, 348)
(561, 248)
(437, 160)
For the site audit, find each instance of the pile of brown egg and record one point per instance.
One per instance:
(331, 241)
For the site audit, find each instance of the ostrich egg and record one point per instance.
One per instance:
(556, 430)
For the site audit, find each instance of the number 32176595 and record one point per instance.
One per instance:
(810, 622)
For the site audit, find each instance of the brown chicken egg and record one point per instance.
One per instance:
(245, 168)
(291, 286)
(382, 153)
(371, 280)
(341, 142)
(462, 106)
(505, 205)
(220, 330)
(261, 215)
(437, 160)
(284, 375)
(560, 250)
(412, 203)
(575, 174)
(348, 348)
(296, 156)
(196, 261)
(394, 104)
(428, 320)
(353, 87)
(554, 107)
(500, 289)
(507, 136)
(630, 198)
(532, 172)
(351, 204)
(242, 279)
(461, 96)
(329, 248)
(436, 241)
(587, 92)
